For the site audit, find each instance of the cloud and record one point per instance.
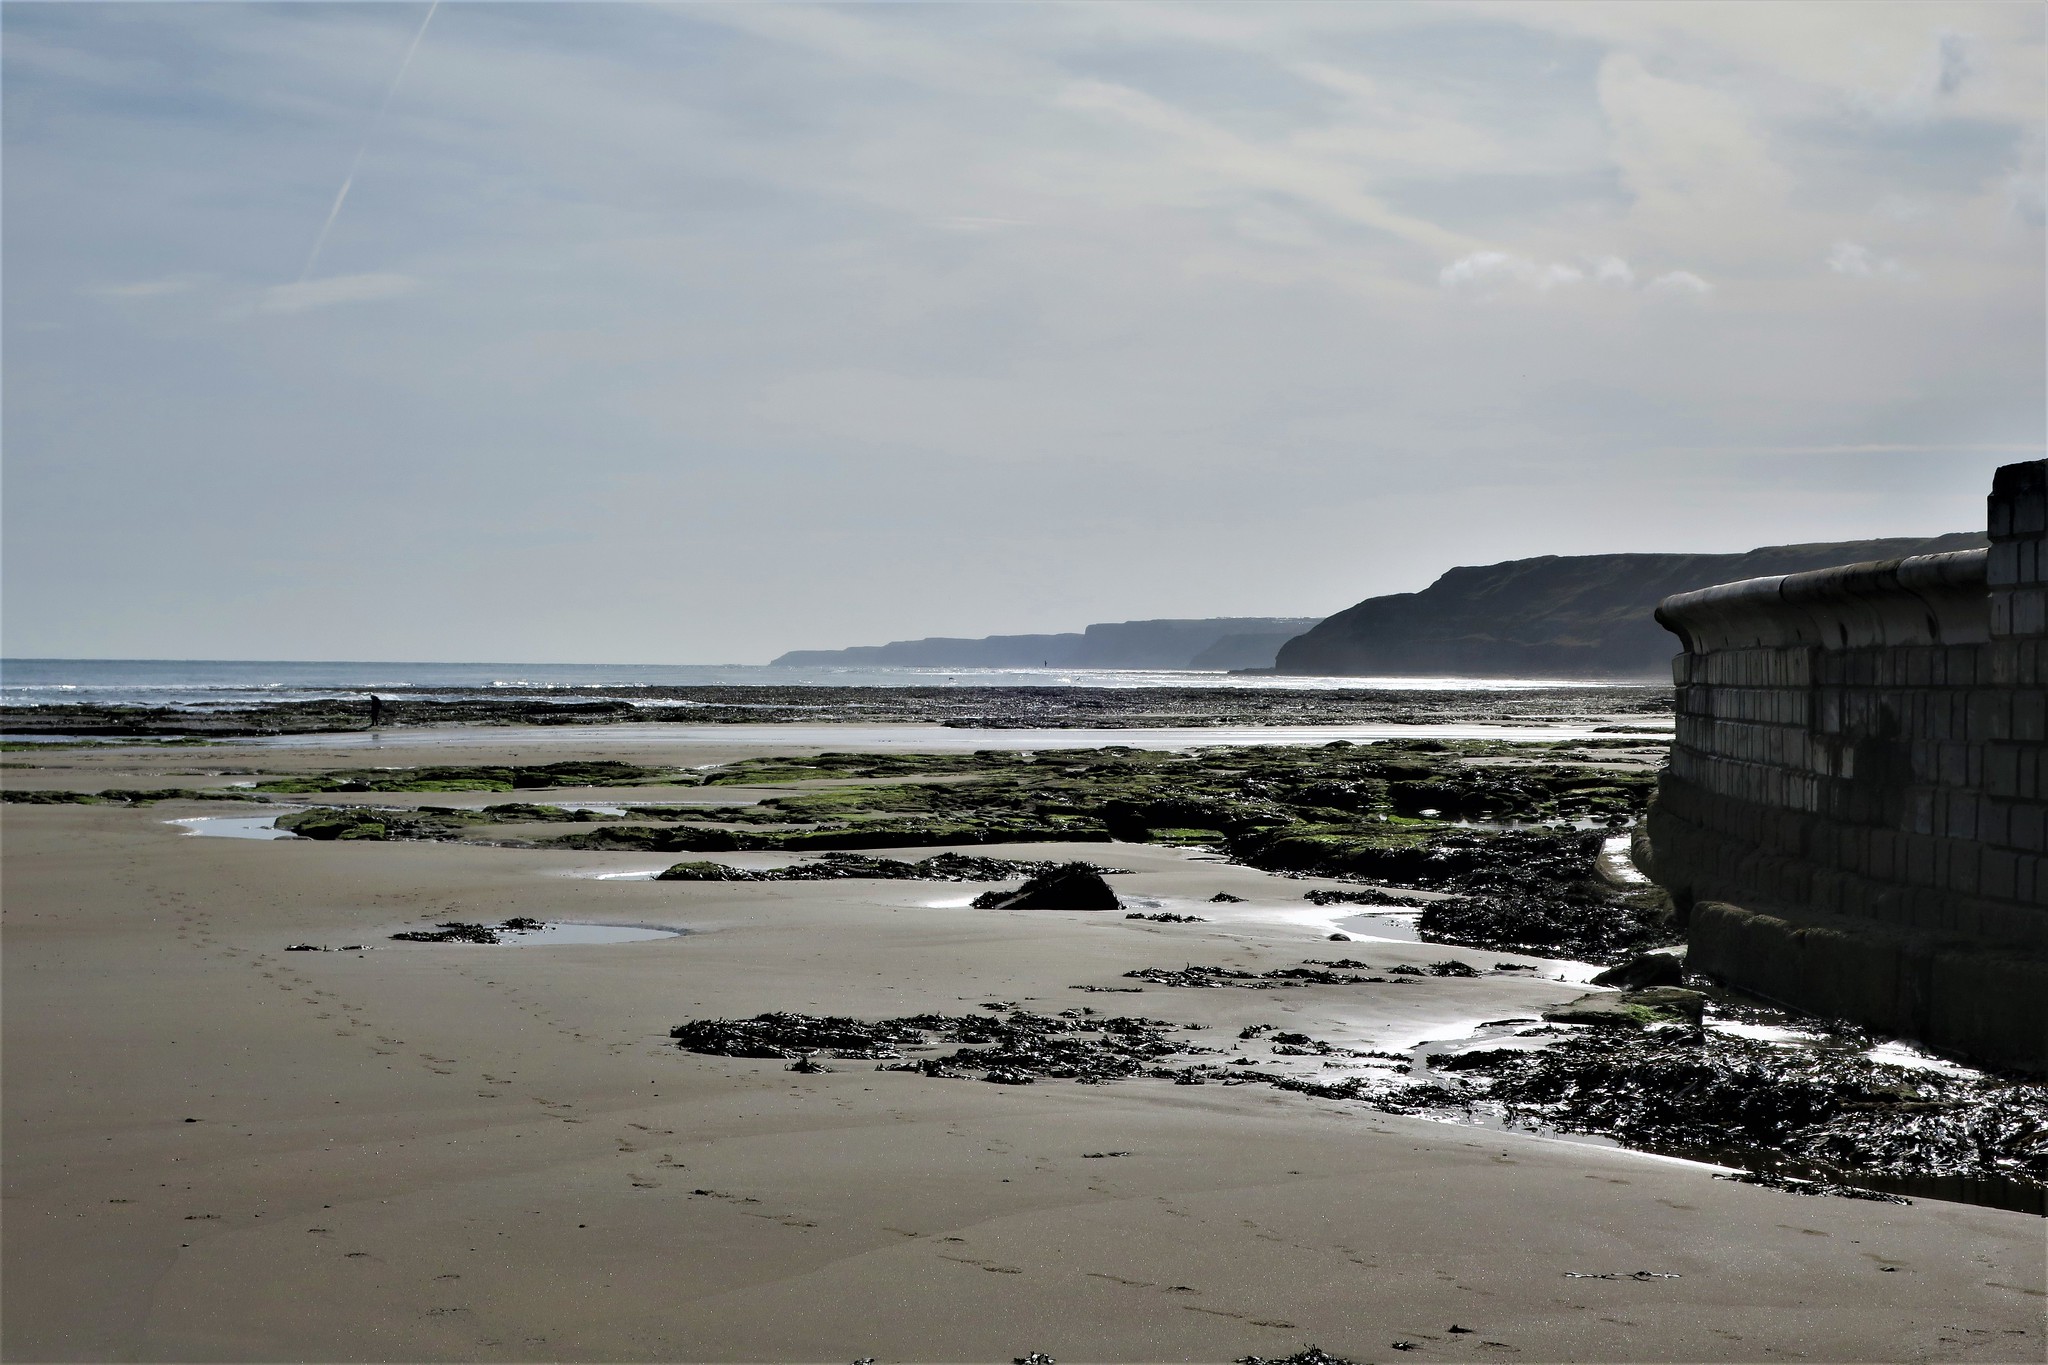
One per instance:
(859, 275)
(1951, 63)
(297, 298)
(144, 289)
(1701, 170)
(1613, 270)
(1678, 284)
(1485, 271)
(1860, 262)
(971, 223)
(2027, 199)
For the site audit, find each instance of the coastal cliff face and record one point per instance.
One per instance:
(1855, 816)
(1558, 616)
(1221, 642)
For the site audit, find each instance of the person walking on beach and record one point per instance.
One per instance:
(376, 710)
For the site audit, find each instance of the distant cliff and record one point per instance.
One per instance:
(1223, 642)
(1558, 616)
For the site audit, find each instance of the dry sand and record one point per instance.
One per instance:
(450, 1152)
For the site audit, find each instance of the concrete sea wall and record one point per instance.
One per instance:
(1855, 817)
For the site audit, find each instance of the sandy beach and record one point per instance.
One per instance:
(220, 1150)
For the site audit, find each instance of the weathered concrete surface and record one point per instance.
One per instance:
(1856, 813)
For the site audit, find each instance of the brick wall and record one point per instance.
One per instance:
(1855, 816)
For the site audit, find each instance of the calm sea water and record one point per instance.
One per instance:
(235, 682)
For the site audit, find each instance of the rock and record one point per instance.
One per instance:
(1644, 970)
(320, 823)
(1225, 898)
(703, 870)
(1072, 886)
(1633, 1009)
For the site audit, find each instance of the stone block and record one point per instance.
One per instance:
(1989, 1005)
(2028, 827)
(1997, 873)
(2002, 564)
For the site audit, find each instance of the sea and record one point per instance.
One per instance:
(234, 683)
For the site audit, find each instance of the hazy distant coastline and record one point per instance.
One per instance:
(1554, 616)
(1219, 643)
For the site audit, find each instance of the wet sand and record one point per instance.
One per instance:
(430, 1152)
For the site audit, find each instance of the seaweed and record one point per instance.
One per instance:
(447, 778)
(1686, 1092)
(940, 867)
(116, 796)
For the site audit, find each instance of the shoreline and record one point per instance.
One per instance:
(1056, 707)
(447, 1152)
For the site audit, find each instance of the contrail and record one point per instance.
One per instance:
(368, 138)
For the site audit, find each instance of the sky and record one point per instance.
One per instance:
(696, 333)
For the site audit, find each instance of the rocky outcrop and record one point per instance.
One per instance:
(1560, 616)
(1074, 886)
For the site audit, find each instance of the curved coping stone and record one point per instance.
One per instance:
(1924, 600)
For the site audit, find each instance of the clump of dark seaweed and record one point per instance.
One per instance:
(1536, 892)
(450, 931)
(1307, 1355)
(1825, 1111)
(1369, 896)
(1166, 917)
(460, 931)
(1092, 1050)
(785, 1036)
(1835, 1109)
(1209, 977)
(1589, 929)
(1011, 1049)
(112, 797)
(940, 867)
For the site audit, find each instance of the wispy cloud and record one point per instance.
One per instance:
(1484, 271)
(1679, 284)
(1860, 262)
(335, 289)
(1487, 273)
(144, 289)
(828, 273)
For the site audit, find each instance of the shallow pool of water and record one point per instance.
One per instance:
(236, 826)
(1615, 852)
(1394, 926)
(556, 933)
